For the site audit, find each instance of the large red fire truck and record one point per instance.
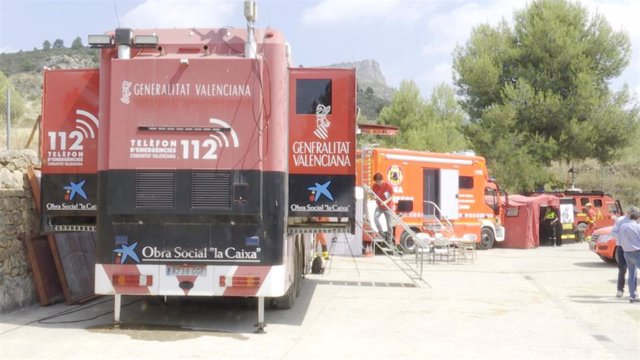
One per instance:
(202, 158)
(448, 192)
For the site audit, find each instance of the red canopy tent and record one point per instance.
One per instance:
(522, 221)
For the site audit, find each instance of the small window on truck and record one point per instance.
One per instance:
(597, 203)
(465, 182)
(310, 93)
(584, 201)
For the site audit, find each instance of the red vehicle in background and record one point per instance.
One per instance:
(607, 209)
(450, 188)
(604, 244)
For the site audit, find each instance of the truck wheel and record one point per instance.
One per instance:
(580, 232)
(286, 301)
(316, 265)
(486, 239)
(407, 242)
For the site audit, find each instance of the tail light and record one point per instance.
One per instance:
(132, 280)
(239, 281)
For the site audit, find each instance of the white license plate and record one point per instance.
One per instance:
(186, 270)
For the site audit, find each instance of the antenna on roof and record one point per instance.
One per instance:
(251, 14)
(573, 173)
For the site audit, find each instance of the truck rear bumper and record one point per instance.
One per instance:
(192, 280)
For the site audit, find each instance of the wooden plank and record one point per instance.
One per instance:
(48, 287)
(77, 254)
(33, 174)
(35, 128)
(59, 269)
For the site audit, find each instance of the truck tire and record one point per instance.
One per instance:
(316, 265)
(486, 239)
(286, 301)
(407, 242)
(580, 231)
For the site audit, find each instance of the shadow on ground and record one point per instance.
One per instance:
(153, 319)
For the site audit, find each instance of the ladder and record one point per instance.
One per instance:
(365, 164)
(413, 269)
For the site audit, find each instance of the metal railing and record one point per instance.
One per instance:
(437, 218)
(420, 246)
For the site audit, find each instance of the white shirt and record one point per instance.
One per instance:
(629, 235)
(616, 228)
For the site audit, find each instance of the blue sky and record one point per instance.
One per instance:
(411, 39)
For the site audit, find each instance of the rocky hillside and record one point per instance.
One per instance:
(370, 75)
(373, 91)
(34, 61)
(18, 66)
(24, 70)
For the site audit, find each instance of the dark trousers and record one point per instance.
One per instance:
(547, 232)
(622, 267)
(558, 233)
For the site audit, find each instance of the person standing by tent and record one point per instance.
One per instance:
(557, 229)
(384, 191)
(550, 221)
(619, 255)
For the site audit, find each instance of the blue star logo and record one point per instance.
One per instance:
(74, 189)
(320, 190)
(128, 251)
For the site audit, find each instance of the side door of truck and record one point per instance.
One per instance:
(440, 187)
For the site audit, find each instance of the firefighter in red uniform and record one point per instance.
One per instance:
(321, 239)
(590, 218)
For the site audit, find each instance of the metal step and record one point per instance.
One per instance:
(319, 228)
(66, 228)
(412, 269)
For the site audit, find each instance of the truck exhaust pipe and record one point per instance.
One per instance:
(124, 40)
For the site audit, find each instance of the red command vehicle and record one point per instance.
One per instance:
(214, 158)
(443, 188)
(607, 209)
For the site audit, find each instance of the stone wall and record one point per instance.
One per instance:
(17, 217)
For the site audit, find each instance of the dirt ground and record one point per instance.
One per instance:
(545, 303)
